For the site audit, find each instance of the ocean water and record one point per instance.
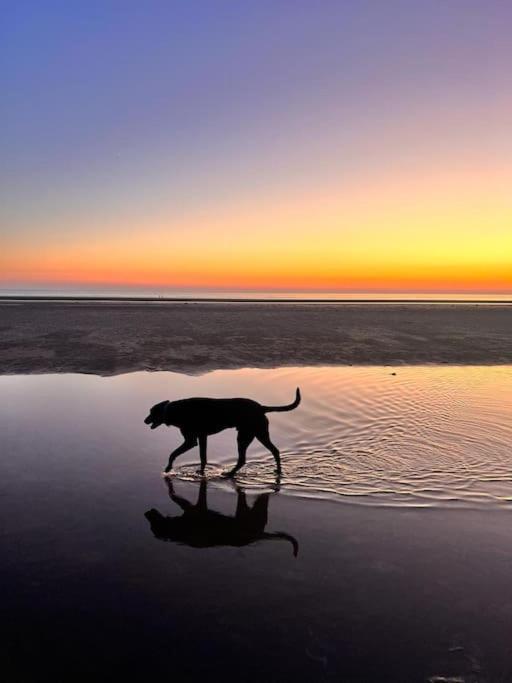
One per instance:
(412, 436)
(155, 293)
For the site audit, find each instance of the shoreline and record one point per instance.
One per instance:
(193, 337)
(248, 300)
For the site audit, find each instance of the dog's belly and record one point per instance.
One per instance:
(215, 428)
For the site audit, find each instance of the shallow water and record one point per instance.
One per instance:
(413, 436)
(259, 586)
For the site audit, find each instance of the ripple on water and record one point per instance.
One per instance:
(428, 436)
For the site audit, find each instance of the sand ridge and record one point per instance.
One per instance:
(109, 338)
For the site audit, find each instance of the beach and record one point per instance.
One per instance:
(109, 338)
(382, 553)
(256, 342)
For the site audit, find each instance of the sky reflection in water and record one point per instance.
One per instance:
(277, 587)
(425, 436)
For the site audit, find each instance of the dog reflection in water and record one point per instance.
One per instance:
(199, 527)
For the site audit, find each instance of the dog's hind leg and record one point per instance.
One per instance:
(190, 442)
(202, 451)
(243, 440)
(264, 438)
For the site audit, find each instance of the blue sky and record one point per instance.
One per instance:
(130, 116)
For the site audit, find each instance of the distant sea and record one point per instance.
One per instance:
(147, 293)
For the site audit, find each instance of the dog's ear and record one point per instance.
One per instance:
(159, 408)
(166, 412)
(163, 410)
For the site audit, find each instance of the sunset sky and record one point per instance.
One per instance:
(345, 145)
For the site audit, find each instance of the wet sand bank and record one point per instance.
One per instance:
(110, 338)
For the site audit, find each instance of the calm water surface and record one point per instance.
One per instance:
(413, 436)
(108, 572)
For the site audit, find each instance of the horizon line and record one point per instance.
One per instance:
(162, 299)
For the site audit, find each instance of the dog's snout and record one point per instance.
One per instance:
(147, 420)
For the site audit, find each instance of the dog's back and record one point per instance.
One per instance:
(213, 414)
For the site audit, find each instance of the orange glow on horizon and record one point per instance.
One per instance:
(426, 279)
(420, 232)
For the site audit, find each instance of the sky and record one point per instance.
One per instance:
(348, 146)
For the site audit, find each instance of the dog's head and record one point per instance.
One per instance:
(157, 415)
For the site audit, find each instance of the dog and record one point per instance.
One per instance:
(197, 418)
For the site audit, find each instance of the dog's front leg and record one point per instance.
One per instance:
(189, 443)
(202, 451)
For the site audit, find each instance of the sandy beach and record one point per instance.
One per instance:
(111, 338)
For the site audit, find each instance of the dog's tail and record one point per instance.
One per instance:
(282, 536)
(281, 409)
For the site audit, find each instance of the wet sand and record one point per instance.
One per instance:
(106, 577)
(102, 581)
(111, 338)
(372, 595)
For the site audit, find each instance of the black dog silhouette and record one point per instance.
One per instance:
(196, 418)
(199, 527)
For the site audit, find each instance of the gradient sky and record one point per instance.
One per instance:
(283, 144)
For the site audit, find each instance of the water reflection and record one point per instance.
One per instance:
(423, 437)
(201, 527)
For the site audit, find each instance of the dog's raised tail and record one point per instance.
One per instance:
(282, 409)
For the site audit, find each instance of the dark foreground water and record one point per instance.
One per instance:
(109, 571)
